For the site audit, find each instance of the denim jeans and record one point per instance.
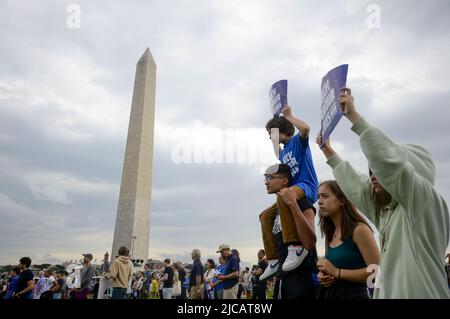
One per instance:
(118, 293)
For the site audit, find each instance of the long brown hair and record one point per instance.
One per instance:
(350, 216)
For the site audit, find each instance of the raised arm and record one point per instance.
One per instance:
(390, 162)
(302, 126)
(355, 185)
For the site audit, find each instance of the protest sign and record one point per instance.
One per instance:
(278, 97)
(331, 85)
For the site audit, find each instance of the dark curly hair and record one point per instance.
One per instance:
(282, 124)
(25, 261)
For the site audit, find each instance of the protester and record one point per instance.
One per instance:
(399, 197)
(86, 275)
(56, 287)
(240, 284)
(147, 282)
(161, 287)
(12, 283)
(40, 285)
(349, 246)
(176, 289)
(297, 283)
(240, 274)
(47, 293)
(154, 291)
(196, 276)
(25, 283)
(254, 283)
(182, 278)
(208, 277)
(231, 272)
(216, 283)
(64, 286)
(259, 286)
(297, 154)
(247, 282)
(167, 279)
(104, 268)
(121, 273)
(138, 285)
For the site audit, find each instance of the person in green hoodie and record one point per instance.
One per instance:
(399, 197)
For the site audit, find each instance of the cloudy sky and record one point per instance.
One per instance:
(65, 97)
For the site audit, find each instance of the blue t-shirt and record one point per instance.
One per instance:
(231, 265)
(148, 278)
(219, 270)
(297, 154)
(197, 269)
(11, 287)
(22, 283)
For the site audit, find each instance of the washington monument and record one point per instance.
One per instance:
(132, 228)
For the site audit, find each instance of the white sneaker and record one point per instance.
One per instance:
(295, 256)
(270, 270)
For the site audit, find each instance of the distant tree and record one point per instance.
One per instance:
(41, 267)
(58, 268)
(6, 268)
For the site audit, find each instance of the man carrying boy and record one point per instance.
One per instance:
(297, 154)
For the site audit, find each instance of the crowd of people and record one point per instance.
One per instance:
(397, 195)
(225, 279)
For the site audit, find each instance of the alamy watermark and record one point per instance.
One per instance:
(374, 19)
(211, 145)
(73, 20)
(373, 280)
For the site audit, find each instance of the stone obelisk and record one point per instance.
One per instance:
(132, 228)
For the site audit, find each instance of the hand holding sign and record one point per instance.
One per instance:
(325, 146)
(347, 104)
(346, 101)
(287, 111)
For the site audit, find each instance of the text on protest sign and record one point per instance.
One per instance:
(278, 96)
(331, 85)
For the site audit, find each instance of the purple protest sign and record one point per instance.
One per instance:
(278, 96)
(332, 82)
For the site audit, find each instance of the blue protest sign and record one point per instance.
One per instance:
(332, 82)
(278, 96)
